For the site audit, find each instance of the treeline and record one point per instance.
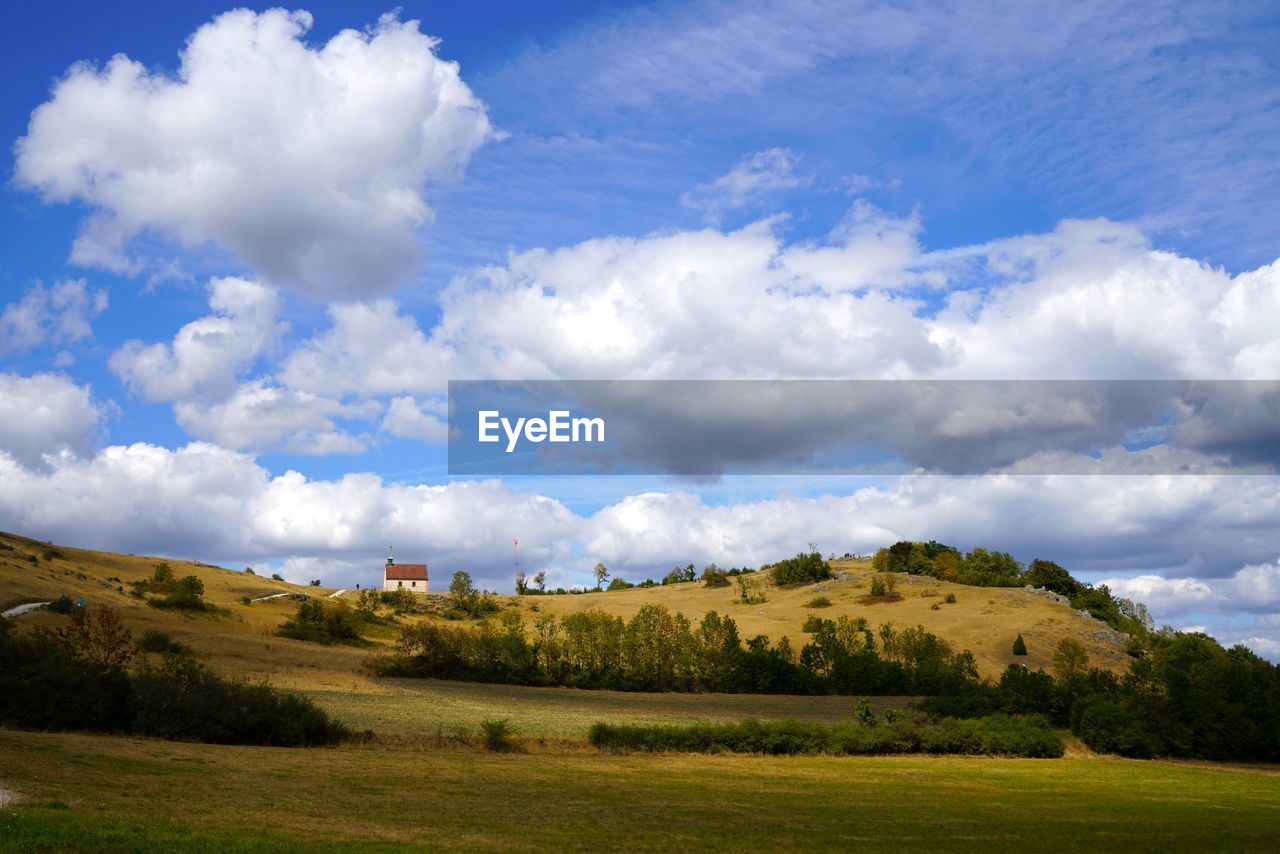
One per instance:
(1189, 697)
(84, 677)
(998, 735)
(984, 568)
(657, 650)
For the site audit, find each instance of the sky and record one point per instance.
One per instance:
(244, 250)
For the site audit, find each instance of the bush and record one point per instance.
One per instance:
(1019, 646)
(153, 640)
(313, 622)
(1108, 727)
(61, 605)
(497, 735)
(750, 592)
(818, 602)
(619, 584)
(801, 569)
(716, 578)
(51, 682)
(185, 594)
(997, 735)
(950, 599)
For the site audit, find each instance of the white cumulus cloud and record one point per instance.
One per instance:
(45, 416)
(61, 314)
(208, 354)
(308, 164)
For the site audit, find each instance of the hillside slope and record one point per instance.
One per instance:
(240, 641)
(984, 620)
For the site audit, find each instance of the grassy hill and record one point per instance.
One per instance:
(240, 640)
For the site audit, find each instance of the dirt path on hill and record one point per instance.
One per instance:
(24, 609)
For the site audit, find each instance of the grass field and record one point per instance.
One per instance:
(96, 792)
(431, 707)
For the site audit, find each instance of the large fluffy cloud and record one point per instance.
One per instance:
(1089, 300)
(45, 416)
(307, 164)
(207, 502)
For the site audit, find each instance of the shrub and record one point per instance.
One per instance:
(1019, 646)
(997, 735)
(313, 622)
(801, 569)
(400, 601)
(950, 599)
(619, 584)
(1108, 727)
(154, 640)
(48, 683)
(163, 574)
(818, 602)
(275, 576)
(185, 594)
(715, 577)
(750, 592)
(61, 605)
(497, 735)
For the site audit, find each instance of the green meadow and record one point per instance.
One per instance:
(95, 793)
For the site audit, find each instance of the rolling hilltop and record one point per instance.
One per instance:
(240, 639)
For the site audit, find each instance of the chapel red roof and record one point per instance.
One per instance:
(407, 572)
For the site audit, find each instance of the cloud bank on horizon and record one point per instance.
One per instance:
(246, 357)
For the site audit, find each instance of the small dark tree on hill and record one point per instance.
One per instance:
(540, 581)
(1019, 646)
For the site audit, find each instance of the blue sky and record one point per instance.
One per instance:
(622, 190)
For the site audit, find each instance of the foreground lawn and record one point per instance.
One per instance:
(435, 707)
(109, 793)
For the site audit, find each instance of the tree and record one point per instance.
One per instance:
(1019, 646)
(522, 584)
(540, 581)
(1070, 658)
(367, 602)
(100, 639)
(163, 574)
(1051, 576)
(462, 590)
(862, 712)
(601, 573)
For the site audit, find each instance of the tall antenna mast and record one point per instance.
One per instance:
(517, 555)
